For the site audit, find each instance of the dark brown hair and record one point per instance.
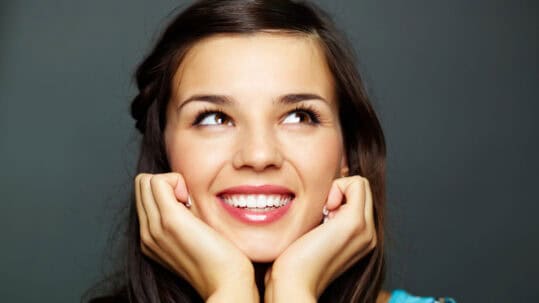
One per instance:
(145, 280)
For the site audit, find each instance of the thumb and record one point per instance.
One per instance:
(180, 190)
(335, 197)
(176, 181)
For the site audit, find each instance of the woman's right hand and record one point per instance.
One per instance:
(172, 236)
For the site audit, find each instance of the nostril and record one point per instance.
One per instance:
(258, 158)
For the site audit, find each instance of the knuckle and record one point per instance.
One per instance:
(167, 223)
(359, 229)
(365, 180)
(145, 179)
(367, 183)
(370, 232)
(374, 242)
(360, 226)
(154, 180)
(357, 182)
(140, 177)
(355, 179)
(371, 243)
(146, 249)
(152, 232)
(354, 229)
(137, 180)
(157, 237)
(145, 238)
(143, 248)
(371, 238)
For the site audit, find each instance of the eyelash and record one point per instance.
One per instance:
(206, 112)
(309, 110)
(314, 116)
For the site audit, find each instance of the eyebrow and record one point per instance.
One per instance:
(222, 99)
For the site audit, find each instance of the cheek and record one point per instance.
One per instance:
(197, 160)
(317, 161)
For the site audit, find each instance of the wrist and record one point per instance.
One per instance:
(240, 292)
(236, 286)
(280, 290)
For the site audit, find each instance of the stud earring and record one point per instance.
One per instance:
(325, 212)
(188, 204)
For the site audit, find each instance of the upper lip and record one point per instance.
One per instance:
(266, 189)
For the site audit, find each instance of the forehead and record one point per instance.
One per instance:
(261, 64)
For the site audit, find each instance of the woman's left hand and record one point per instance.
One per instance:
(308, 265)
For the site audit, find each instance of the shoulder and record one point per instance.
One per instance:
(401, 296)
(383, 297)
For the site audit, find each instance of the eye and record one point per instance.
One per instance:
(302, 115)
(211, 118)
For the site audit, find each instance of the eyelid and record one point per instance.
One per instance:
(313, 114)
(309, 110)
(204, 113)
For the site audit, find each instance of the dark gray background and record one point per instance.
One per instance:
(455, 84)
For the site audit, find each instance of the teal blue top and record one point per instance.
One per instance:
(401, 296)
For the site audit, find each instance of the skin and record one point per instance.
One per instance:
(257, 139)
(263, 143)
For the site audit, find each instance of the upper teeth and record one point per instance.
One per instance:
(257, 201)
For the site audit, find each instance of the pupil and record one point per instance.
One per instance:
(219, 118)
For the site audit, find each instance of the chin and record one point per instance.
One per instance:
(262, 251)
(262, 255)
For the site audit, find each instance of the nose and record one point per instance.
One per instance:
(258, 149)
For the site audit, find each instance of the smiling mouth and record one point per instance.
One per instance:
(257, 202)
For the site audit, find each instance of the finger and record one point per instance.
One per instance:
(369, 213)
(335, 197)
(149, 204)
(146, 239)
(141, 213)
(176, 220)
(164, 187)
(177, 182)
(180, 189)
(168, 235)
(363, 238)
(353, 189)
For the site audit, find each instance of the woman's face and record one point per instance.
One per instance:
(253, 127)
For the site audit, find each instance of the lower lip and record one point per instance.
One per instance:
(255, 217)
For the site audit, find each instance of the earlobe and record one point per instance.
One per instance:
(344, 167)
(344, 172)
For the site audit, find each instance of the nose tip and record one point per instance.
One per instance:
(258, 152)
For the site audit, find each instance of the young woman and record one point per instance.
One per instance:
(261, 172)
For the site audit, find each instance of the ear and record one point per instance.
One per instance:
(344, 166)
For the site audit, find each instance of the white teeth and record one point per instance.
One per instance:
(261, 201)
(251, 201)
(243, 201)
(257, 201)
(270, 201)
